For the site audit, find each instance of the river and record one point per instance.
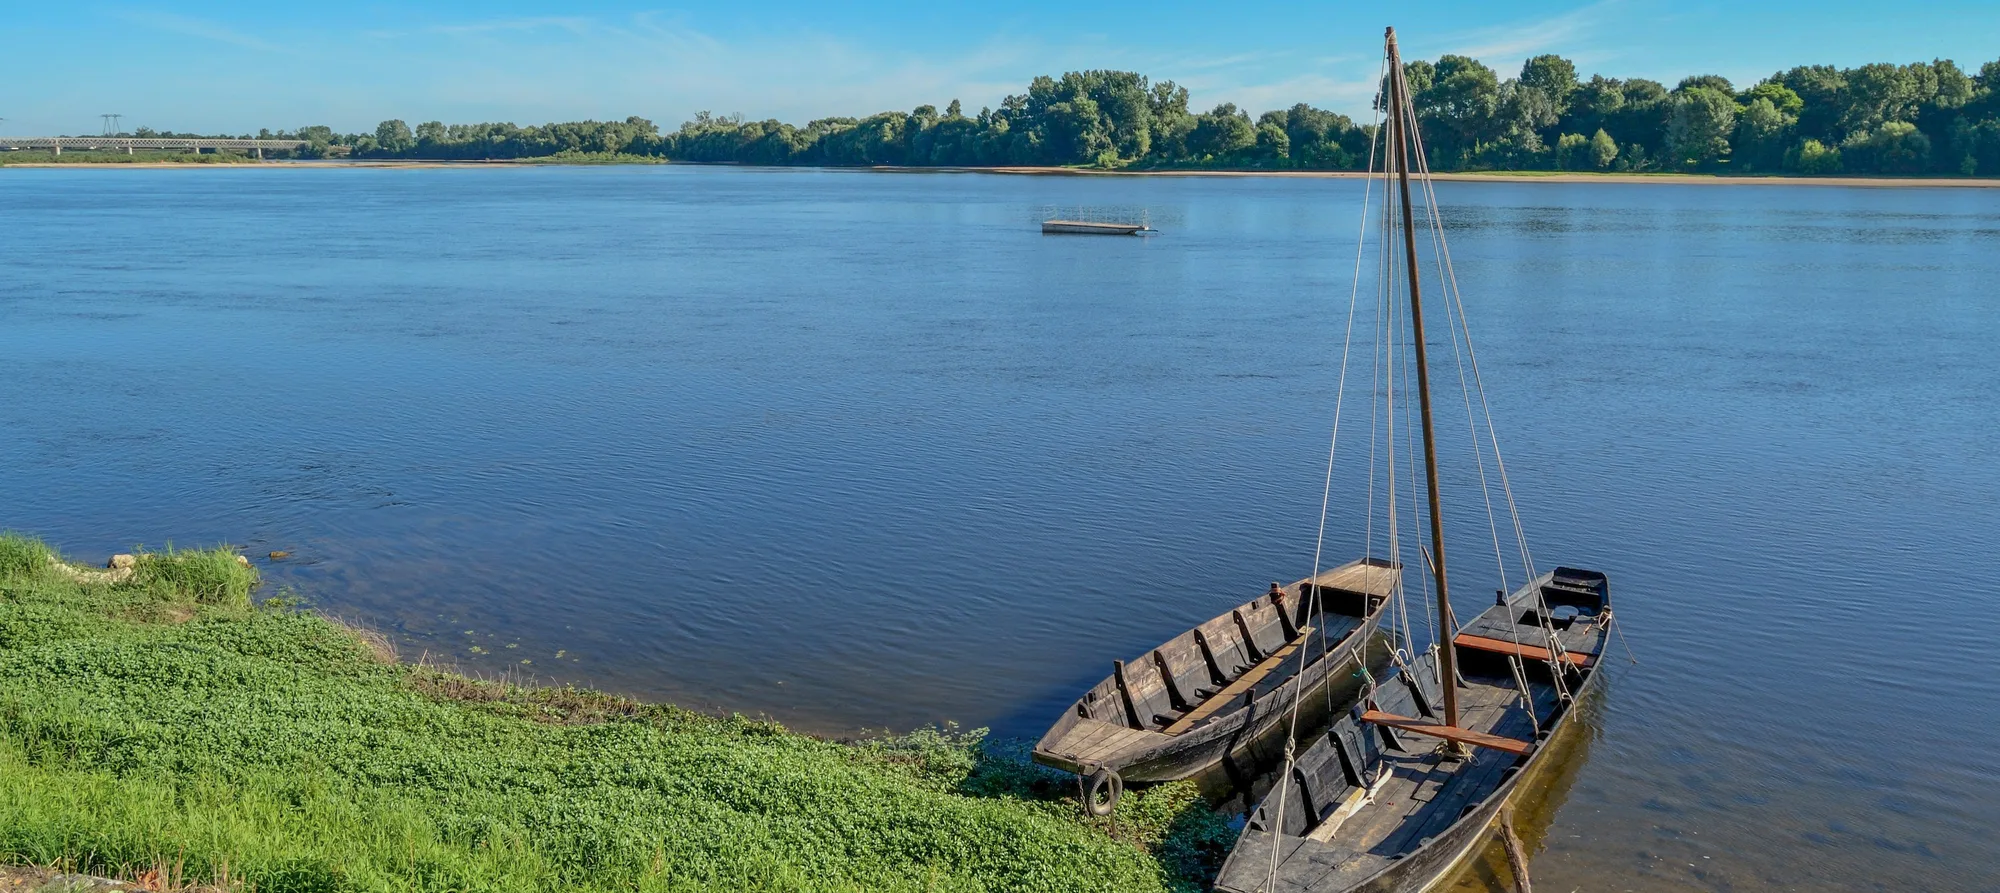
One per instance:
(865, 450)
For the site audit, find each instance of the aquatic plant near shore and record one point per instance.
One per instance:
(168, 720)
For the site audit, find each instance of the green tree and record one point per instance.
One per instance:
(1321, 139)
(1573, 152)
(1525, 112)
(1762, 132)
(1554, 76)
(1073, 131)
(1778, 95)
(1167, 108)
(1698, 133)
(1812, 158)
(1715, 82)
(1881, 92)
(1893, 147)
(394, 136)
(1274, 145)
(1593, 104)
(1085, 112)
(1975, 146)
(1457, 108)
(1603, 150)
(1221, 133)
(1821, 89)
(1642, 120)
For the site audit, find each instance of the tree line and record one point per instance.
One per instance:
(1919, 118)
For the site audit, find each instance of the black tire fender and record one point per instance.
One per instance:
(1104, 784)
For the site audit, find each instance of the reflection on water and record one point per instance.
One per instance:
(866, 450)
(1539, 800)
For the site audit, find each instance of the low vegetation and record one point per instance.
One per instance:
(144, 156)
(166, 727)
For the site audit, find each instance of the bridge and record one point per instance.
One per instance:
(128, 143)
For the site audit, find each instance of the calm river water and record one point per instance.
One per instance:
(862, 450)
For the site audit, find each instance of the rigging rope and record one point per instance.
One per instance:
(1460, 325)
(1319, 543)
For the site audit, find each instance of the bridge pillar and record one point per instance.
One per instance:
(59, 148)
(128, 148)
(260, 153)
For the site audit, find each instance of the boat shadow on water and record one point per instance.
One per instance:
(1539, 799)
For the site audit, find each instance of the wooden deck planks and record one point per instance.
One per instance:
(1358, 577)
(1405, 812)
(1095, 741)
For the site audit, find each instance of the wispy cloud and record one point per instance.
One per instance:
(1325, 91)
(192, 27)
(572, 24)
(574, 66)
(1519, 39)
(1212, 62)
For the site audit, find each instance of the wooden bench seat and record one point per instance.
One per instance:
(1514, 746)
(1537, 652)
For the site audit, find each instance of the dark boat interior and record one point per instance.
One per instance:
(1220, 668)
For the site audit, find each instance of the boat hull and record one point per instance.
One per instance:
(1219, 689)
(1088, 228)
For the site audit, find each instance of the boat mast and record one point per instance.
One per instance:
(1398, 105)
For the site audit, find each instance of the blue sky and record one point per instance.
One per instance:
(235, 66)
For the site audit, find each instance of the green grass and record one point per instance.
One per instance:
(166, 723)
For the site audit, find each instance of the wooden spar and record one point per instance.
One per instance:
(1518, 649)
(1514, 746)
(1398, 104)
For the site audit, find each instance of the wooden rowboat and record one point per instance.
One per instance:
(1214, 690)
(1374, 806)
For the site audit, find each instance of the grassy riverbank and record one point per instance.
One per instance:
(167, 724)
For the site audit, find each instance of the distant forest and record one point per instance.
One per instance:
(1920, 118)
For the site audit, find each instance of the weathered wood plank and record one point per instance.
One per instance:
(1449, 733)
(1357, 576)
(1501, 646)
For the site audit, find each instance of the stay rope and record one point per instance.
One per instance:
(1326, 496)
(1461, 328)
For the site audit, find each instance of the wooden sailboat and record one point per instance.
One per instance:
(1408, 783)
(1218, 688)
